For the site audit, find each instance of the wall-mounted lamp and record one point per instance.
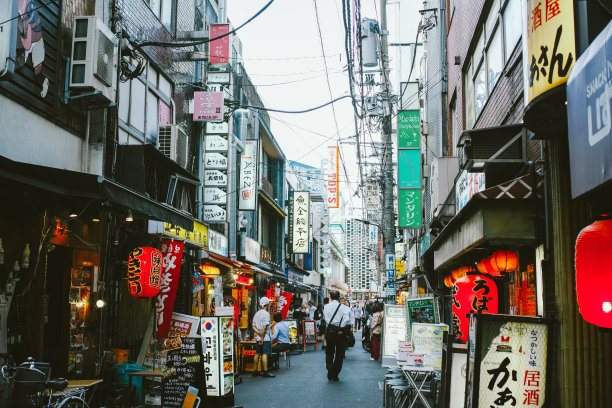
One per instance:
(73, 214)
(128, 216)
(100, 303)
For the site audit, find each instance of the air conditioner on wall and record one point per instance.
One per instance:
(173, 142)
(93, 65)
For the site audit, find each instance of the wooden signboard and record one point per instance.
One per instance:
(309, 330)
(184, 369)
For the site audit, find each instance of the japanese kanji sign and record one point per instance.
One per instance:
(408, 129)
(299, 211)
(207, 106)
(247, 200)
(164, 304)
(219, 49)
(410, 208)
(549, 49)
(507, 361)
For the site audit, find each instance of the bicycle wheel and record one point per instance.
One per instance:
(72, 402)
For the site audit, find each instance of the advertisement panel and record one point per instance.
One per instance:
(207, 106)
(507, 361)
(372, 195)
(394, 331)
(333, 176)
(218, 243)
(549, 49)
(220, 48)
(164, 302)
(409, 167)
(299, 211)
(468, 185)
(408, 129)
(247, 199)
(427, 340)
(410, 208)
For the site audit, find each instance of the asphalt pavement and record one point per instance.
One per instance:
(305, 383)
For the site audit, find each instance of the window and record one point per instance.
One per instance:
(495, 42)
(163, 10)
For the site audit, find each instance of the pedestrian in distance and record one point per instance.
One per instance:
(358, 312)
(337, 317)
(261, 327)
(368, 309)
(376, 329)
(311, 310)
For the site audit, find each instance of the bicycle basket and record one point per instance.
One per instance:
(29, 385)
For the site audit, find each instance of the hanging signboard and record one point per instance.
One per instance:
(218, 335)
(394, 331)
(467, 186)
(549, 49)
(427, 340)
(215, 161)
(215, 143)
(408, 129)
(164, 302)
(217, 128)
(215, 178)
(219, 48)
(333, 177)
(197, 236)
(247, 199)
(507, 361)
(372, 195)
(410, 208)
(372, 235)
(299, 212)
(207, 106)
(214, 213)
(218, 243)
(252, 250)
(218, 77)
(214, 195)
(409, 169)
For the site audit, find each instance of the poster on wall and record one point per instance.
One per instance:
(507, 361)
(427, 340)
(394, 331)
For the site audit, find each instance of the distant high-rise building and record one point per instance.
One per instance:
(360, 259)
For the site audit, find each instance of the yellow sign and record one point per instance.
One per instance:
(399, 267)
(199, 235)
(549, 44)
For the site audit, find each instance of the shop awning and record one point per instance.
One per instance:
(230, 263)
(90, 186)
(498, 216)
(276, 272)
(297, 269)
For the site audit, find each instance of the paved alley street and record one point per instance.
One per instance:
(305, 384)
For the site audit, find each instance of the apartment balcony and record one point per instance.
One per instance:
(267, 186)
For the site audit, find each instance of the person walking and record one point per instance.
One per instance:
(337, 317)
(376, 329)
(311, 310)
(261, 326)
(357, 311)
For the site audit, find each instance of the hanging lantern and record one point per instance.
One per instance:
(144, 272)
(476, 293)
(486, 266)
(449, 281)
(504, 261)
(461, 272)
(593, 273)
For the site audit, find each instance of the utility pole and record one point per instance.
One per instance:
(388, 221)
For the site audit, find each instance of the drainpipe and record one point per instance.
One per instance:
(222, 11)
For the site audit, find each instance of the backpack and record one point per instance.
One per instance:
(317, 314)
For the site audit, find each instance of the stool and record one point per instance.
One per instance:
(388, 390)
(287, 357)
(399, 396)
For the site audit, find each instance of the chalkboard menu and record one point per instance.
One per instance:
(184, 368)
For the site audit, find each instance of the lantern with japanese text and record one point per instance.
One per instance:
(593, 271)
(504, 261)
(476, 293)
(144, 272)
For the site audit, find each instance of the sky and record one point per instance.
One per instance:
(282, 53)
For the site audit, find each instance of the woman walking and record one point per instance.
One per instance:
(376, 329)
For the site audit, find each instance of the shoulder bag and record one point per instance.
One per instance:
(333, 328)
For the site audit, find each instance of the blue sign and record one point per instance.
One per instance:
(589, 90)
(390, 274)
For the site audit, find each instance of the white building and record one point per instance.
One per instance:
(362, 260)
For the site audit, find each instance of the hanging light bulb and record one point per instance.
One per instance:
(100, 303)
(129, 217)
(25, 259)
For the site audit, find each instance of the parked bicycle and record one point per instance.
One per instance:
(28, 385)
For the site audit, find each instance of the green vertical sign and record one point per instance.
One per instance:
(410, 208)
(409, 168)
(408, 129)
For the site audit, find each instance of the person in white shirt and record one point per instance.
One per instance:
(337, 317)
(261, 327)
(311, 310)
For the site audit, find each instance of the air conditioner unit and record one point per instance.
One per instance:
(173, 142)
(94, 57)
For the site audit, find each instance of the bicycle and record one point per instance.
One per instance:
(32, 387)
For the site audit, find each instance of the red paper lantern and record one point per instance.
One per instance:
(593, 273)
(144, 272)
(504, 261)
(449, 281)
(476, 293)
(461, 272)
(486, 266)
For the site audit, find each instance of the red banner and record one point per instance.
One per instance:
(283, 302)
(164, 304)
(219, 49)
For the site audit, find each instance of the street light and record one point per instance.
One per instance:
(366, 222)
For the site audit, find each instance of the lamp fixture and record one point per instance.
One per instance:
(100, 303)
(73, 215)
(129, 217)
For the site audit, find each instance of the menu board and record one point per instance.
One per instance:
(420, 310)
(427, 339)
(310, 332)
(293, 330)
(394, 330)
(183, 370)
(218, 335)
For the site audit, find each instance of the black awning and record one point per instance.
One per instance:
(277, 274)
(296, 268)
(82, 185)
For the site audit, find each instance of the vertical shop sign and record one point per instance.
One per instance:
(207, 106)
(549, 49)
(372, 195)
(219, 49)
(332, 175)
(507, 361)
(247, 200)
(300, 222)
(164, 304)
(209, 328)
(284, 300)
(409, 169)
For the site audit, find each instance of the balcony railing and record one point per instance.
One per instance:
(267, 186)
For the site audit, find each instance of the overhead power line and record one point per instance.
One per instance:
(299, 111)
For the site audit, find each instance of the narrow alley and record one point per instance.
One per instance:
(305, 383)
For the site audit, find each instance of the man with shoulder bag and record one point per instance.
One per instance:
(337, 317)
